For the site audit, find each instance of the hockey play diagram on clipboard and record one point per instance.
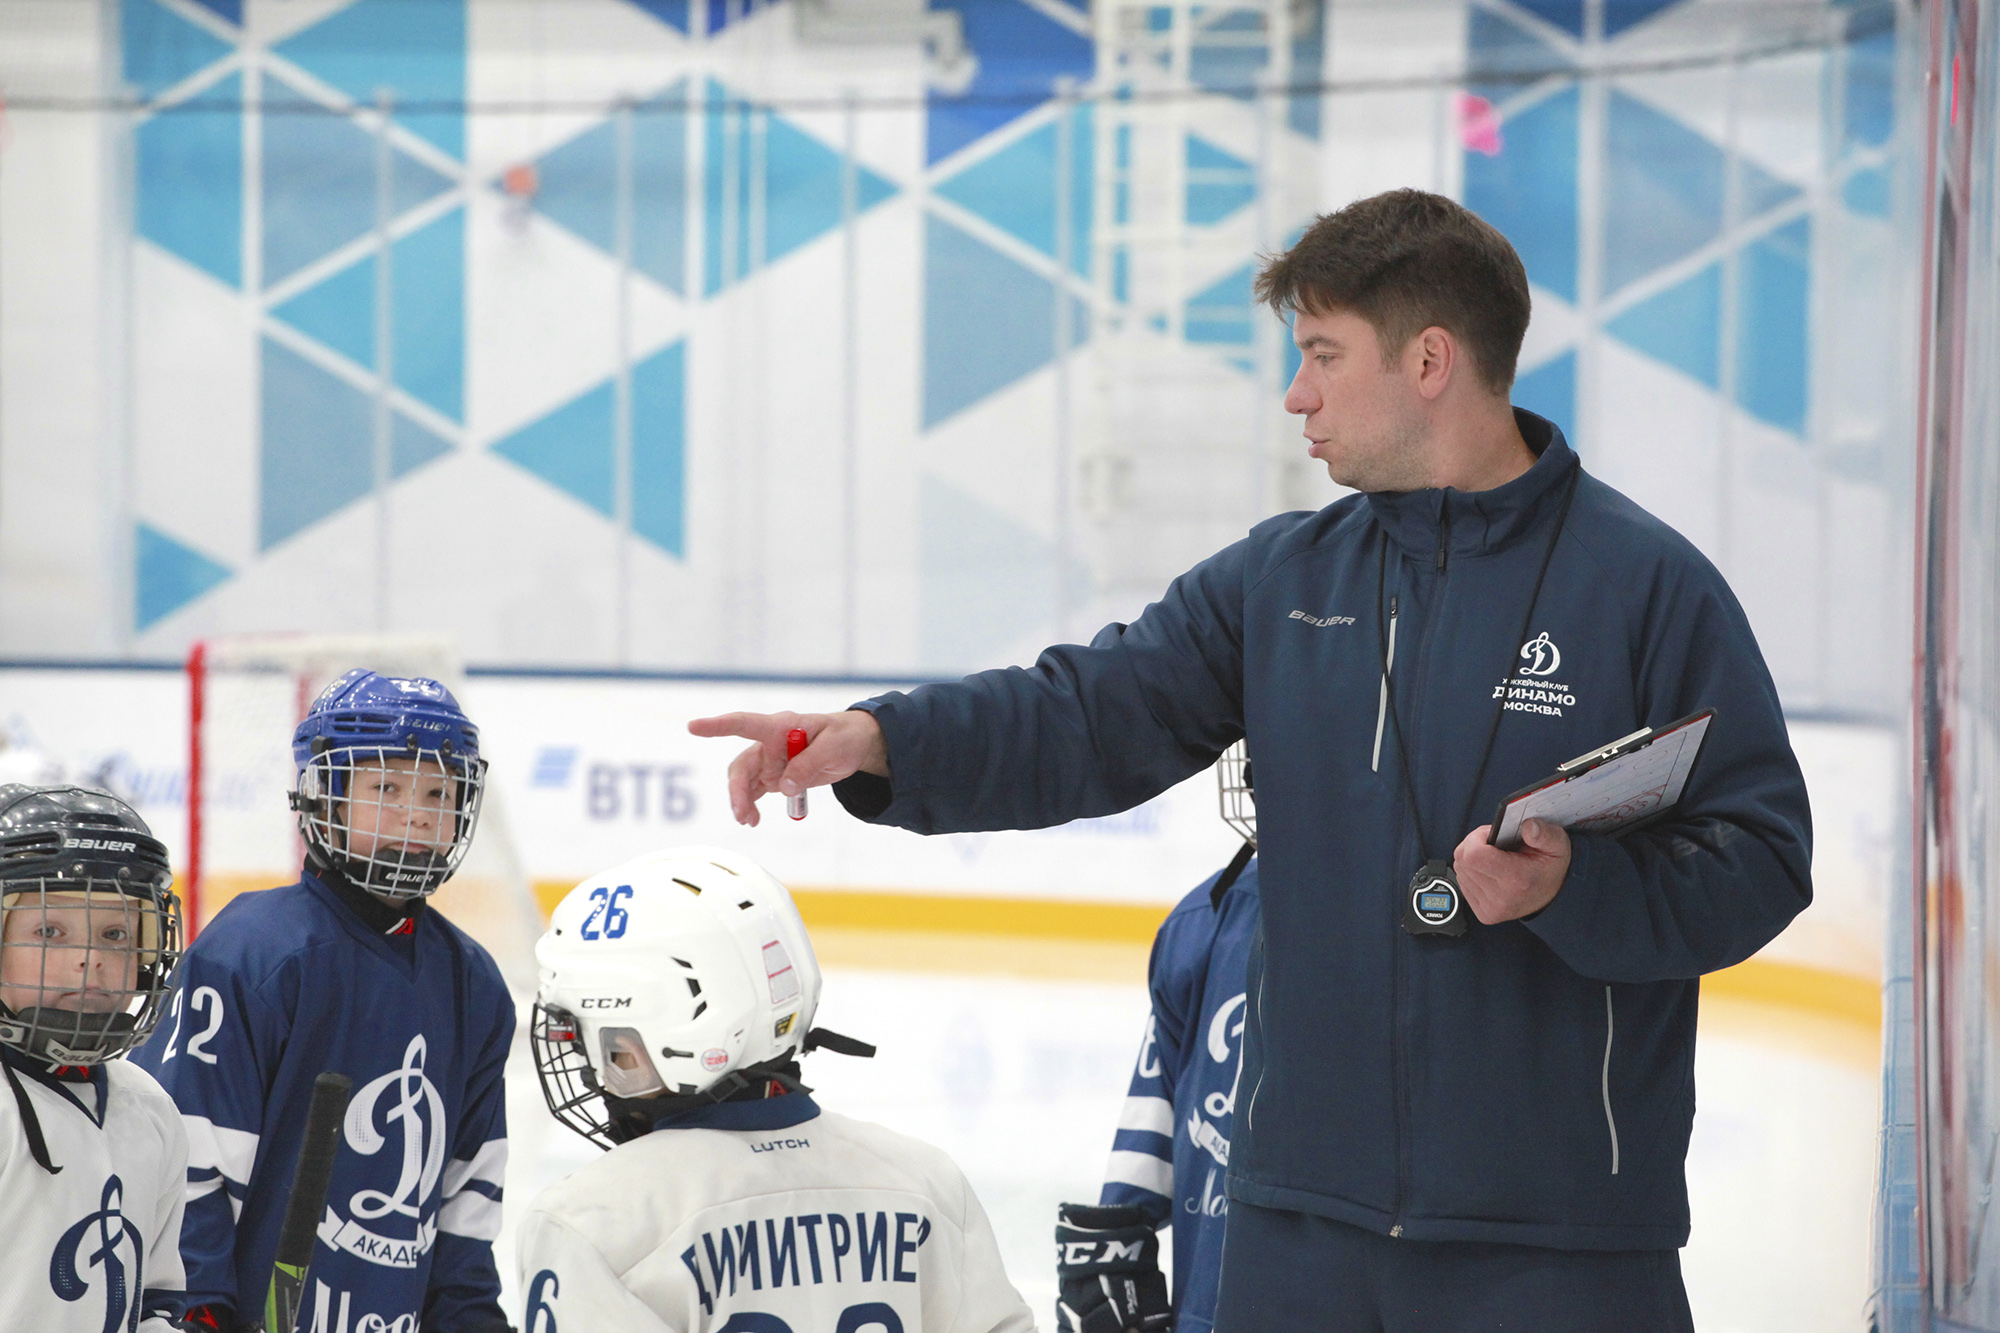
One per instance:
(1613, 788)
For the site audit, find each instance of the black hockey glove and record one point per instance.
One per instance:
(1108, 1277)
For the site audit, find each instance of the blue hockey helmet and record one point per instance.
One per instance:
(390, 782)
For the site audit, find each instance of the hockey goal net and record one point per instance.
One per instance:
(246, 695)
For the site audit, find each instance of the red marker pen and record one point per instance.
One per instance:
(795, 741)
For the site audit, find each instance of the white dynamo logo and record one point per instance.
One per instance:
(413, 1106)
(1540, 656)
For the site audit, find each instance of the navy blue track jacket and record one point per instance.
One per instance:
(1531, 1082)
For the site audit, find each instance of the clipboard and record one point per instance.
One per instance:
(1612, 789)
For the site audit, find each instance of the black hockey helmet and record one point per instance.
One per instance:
(83, 883)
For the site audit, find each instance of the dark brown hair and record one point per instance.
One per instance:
(1405, 261)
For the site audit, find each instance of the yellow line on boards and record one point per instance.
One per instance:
(1817, 990)
(967, 914)
(1820, 990)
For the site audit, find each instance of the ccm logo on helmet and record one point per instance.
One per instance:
(101, 844)
(605, 1002)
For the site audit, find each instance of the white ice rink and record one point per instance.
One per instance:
(1020, 1079)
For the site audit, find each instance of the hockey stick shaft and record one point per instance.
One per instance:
(309, 1183)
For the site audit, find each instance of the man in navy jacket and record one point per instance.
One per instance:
(1434, 1133)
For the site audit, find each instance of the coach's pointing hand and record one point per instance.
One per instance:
(839, 745)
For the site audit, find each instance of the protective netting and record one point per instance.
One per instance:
(247, 694)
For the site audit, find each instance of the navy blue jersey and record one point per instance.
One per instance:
(1171, 1153)
(289, 983)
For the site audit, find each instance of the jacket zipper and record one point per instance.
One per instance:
(1605, 1081)
(1417, 679)
(1382, 704)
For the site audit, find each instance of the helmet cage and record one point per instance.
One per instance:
(63, 921)
(1239, 798)
(416, 842)
(575, 1096)
(567, 1076)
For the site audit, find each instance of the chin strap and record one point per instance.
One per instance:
(38, 1147)
(819, 1039)
(385, 918)
(1231, 871)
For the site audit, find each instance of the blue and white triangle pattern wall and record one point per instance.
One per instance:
(1669, 216)
(257, 212)
(375, 362)
(380, 356)
(378, 359)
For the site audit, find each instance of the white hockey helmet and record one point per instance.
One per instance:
(683, 974)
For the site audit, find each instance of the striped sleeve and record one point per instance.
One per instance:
(464, 1286)
(212, 1055)
(219, 1158)
(1141, 1170)
(472, 1192)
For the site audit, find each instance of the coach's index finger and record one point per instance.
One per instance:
(750, 726)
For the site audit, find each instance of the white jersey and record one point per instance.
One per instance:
(84, 1244)
(829, 1224)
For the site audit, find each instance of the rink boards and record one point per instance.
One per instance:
(595, 770)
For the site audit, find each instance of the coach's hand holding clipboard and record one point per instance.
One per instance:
(1612, 789)
(1515, 866)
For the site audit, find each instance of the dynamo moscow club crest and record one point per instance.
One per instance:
(1540, 656)
(93, 1254)
(401, 1107)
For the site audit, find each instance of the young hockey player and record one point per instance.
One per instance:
(347, 971)
(93, 1160)
(677, 995)
(1170, 1154)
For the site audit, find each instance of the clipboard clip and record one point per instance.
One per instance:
(1603, 752)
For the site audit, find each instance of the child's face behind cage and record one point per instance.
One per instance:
(399, 805)
(73, 951)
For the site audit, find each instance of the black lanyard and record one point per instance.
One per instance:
(1492, 732)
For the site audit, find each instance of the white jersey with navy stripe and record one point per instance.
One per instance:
(825, 1224)
(84, 1244)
